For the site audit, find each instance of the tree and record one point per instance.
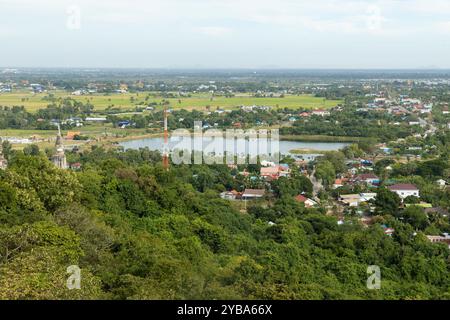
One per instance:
(7, 147)
(31, 150)
(292, 186)
(337, 158)
(411, 200)
(415, 216)
(387, 202)
(326, 172)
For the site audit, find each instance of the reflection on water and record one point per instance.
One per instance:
(219, 144)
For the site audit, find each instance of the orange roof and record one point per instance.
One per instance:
(269, 170)
(72, 134)
(301, 198)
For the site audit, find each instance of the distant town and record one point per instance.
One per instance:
(364, 167)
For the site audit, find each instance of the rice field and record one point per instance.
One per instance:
(128, 101)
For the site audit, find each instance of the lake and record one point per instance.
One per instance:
(251, 146)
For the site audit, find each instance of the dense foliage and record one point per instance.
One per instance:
(139, 232)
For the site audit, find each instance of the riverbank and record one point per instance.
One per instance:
(322, 138)
(107, 136)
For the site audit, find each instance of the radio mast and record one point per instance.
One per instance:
(166, 142)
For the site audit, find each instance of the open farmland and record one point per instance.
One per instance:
(126, 101)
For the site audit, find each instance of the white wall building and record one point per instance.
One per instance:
(404, 190)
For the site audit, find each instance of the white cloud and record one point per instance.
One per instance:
(336, 31)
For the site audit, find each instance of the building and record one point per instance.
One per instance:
(309, 203)
(230, 195)
(266, 163)
(320, 112)
(445, 238)
(354, 200)
(405, 190)
(72, 134)
(269, 172)
(351, 200)
(308, 157)
(283, 170)
(99, 119)
(253, 194)
(338, 183)
(273, 173)
(367, 178)
(3, 161)
(59, 158)
(388, 231)
(75, 166)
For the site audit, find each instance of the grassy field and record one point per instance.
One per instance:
(33, 102)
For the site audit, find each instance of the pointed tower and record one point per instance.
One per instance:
(3, 161)
(59, 158)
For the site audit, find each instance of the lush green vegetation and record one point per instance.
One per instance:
(350, 122)
(139, 232)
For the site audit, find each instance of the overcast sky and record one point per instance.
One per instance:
(225, 33)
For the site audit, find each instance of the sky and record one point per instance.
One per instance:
(342, 34)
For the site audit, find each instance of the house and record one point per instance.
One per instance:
(404, 190)
(99, 119)
(253, 194)
(309, 203)
(266, 163)
(445, 238)
(308, 157)
(275, 172)
(388, 231)
(75, 166)
(320, 112)
(230, 195)
(339, 183)
(283, 170)
(72, 134)
(367, 178)
(269, 172)
(351, 200)
(354, 200)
